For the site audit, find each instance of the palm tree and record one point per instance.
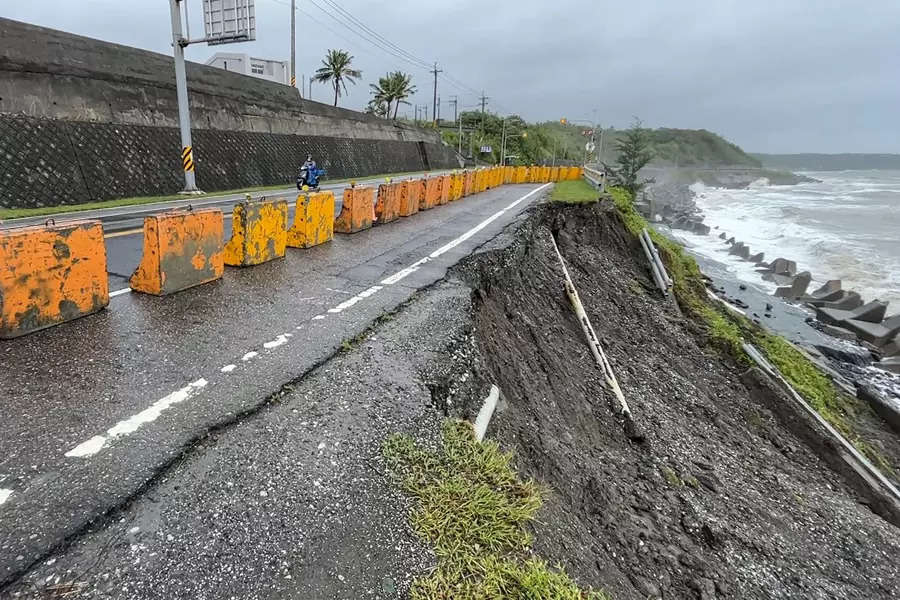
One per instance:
(381, 97)
(394, 88)
(378, 107)
(336, 69)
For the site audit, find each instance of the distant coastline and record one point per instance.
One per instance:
(829, 162)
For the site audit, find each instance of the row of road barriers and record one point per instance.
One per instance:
(53, 273)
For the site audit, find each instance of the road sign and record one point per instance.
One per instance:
(228, 21)
(486, 149)
(590, 147)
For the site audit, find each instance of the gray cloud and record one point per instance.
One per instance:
(772, 76)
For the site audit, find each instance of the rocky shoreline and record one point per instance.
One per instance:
(857, 341)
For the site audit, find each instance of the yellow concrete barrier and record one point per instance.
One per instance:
(313, 220)
(554, 173)
(456, 189)
(51, 274)
(521, 175)
(259, 233)
(545, 175)
(432, 194)
(387, 206)
(182, 249)
(479, 181)
(357, 210)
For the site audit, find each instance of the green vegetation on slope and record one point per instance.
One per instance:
(727, 330)
(472, 508)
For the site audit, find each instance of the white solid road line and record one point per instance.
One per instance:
(119, 292)
(403, 273)
(98, 442)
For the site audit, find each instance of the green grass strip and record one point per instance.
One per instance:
(473, 509)
(574, 191)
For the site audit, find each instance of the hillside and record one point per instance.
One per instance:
(829, 162)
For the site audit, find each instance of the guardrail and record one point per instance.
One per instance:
(595, 178)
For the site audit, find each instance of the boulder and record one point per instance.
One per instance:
(757, 258)
(730, 240)
(722, 236)
(783, 266)
(797, 288)
(854, 355)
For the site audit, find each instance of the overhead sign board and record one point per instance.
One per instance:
(229, 21)
(486, 149)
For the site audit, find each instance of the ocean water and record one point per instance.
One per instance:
(845, 227)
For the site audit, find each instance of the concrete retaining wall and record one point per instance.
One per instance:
(83, 120)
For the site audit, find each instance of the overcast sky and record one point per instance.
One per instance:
(770, 75)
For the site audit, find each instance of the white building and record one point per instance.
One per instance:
(272, 70)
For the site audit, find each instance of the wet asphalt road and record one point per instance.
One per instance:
(98, 376)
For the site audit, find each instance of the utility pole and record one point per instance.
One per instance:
(184, 116)
(425, 106)
(503, 143)
(439, 111)
(455, 102)
(294, 45)
(484, 100)
(417, 114)
(460, 135)
(435, 111)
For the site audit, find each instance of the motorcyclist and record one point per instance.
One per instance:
(310, 164)
(307, 172)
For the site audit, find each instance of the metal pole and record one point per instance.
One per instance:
(184, 115)
(294, 44)
(460, 136)
(503, 143)
(435, 111)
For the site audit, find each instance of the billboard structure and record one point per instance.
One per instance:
(227, 21)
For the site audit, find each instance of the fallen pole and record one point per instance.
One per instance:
(659, 262)
(609, 376)
(657, 276)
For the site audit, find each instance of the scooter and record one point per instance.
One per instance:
(309, 178)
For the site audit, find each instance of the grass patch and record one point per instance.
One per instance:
(727, 331)
(473, 508)
(575, 191)
(18, 213)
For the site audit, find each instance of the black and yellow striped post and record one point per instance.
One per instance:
(187, 158)
(293, 81)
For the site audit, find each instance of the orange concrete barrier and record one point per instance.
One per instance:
(479, 181)
(182, 249)
(415, 191)
(432, 193)
(534, 174)
(445, 189)
(259, 233)
(357, 210)
(409, 199)
(509, 175)
(313, 220)
(545, 175)
(468, 183)
(387, 206)
(51, 274)
(554, 173)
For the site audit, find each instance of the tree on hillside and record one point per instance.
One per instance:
(633, 153)
(336, 68)
(378, 107)
(394, 88)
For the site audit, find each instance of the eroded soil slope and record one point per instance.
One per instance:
(721, 500)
